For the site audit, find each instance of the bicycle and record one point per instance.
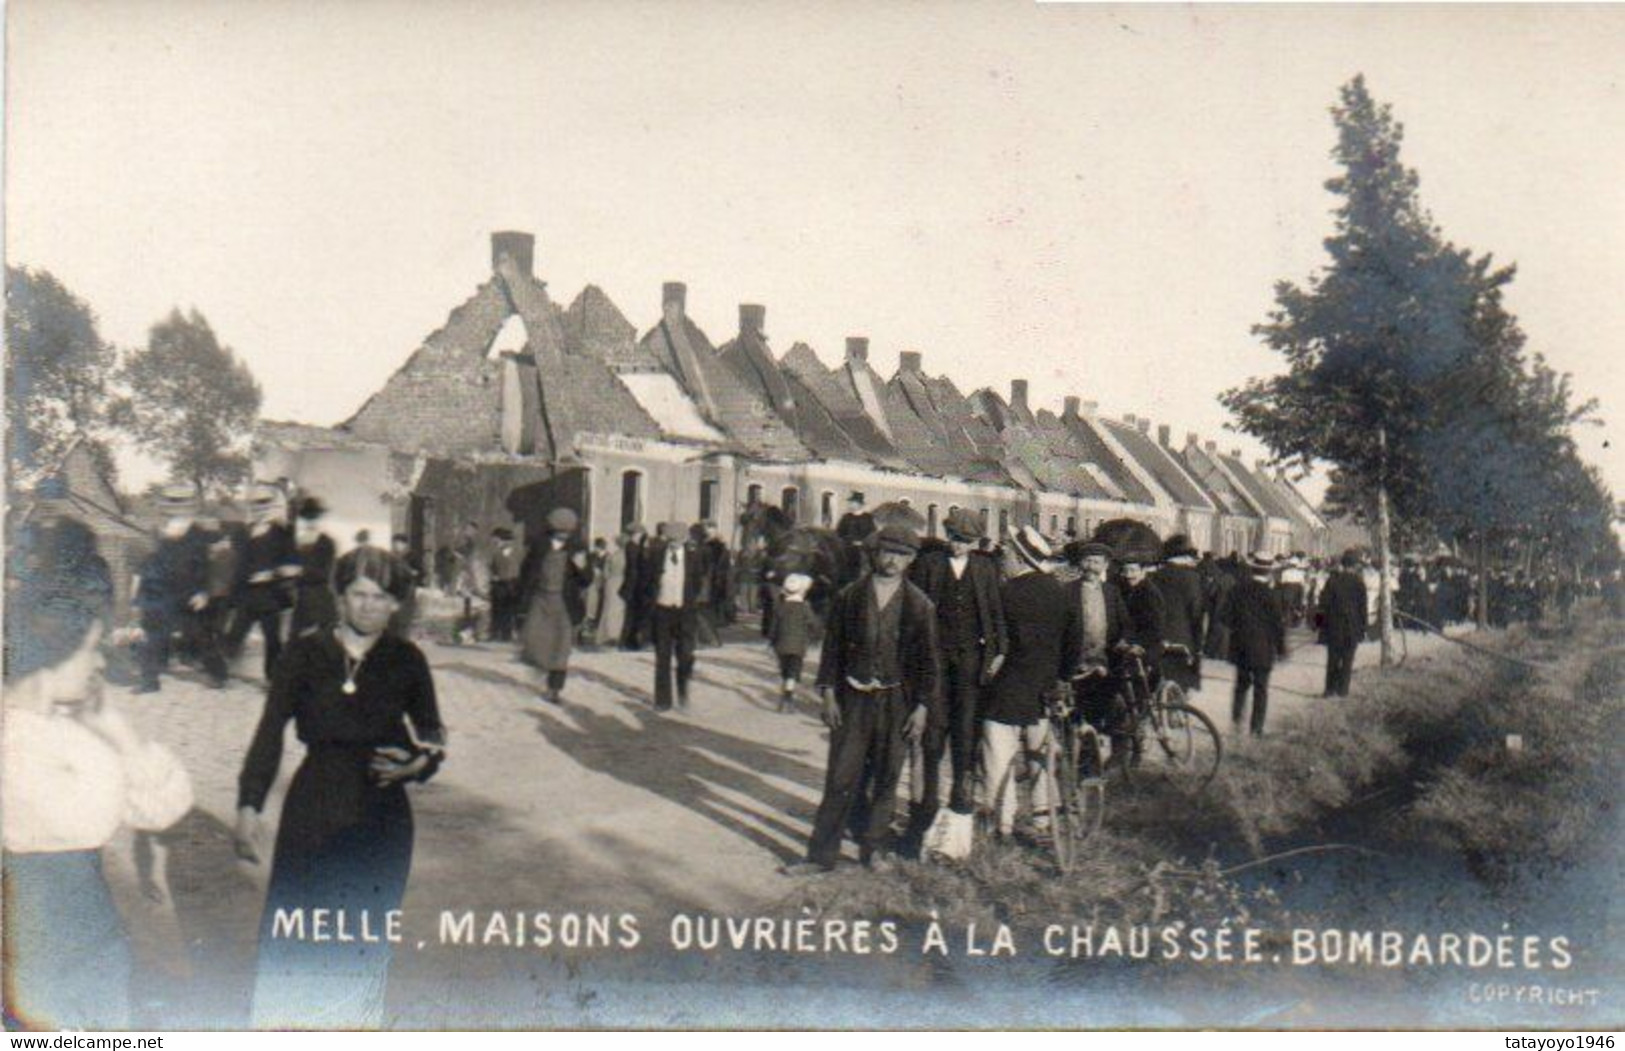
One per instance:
(1076, 802)
(1186, 746)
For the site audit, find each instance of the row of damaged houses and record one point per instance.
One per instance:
(517, 405)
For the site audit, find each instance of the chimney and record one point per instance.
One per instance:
(1145, 425)
(1069, 407)
(1018, 395)
(908, 361)
(1191, 439)
(516, 245)
(1129, 418)
(1090, 407)
(857, 349)
(1235, 454)
(751, 318)
(674, 294)
(1211, 446)
(1165, 436)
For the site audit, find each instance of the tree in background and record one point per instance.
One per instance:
(191, 402)
(58, 372)
(1408, 375)
(1369, 341)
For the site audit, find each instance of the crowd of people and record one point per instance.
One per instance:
(937, 651)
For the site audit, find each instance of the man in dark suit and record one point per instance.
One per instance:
(1342, 617)
(964, 587)
(1146, 613)
(266, 574)
(878, 675)
(854, 530)
(1184, 601)
(1257, 637)
(634, 627)
(1043, 633)
(676, 582)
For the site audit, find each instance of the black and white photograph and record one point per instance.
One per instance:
(693, 515)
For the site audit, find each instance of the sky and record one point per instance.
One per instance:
(1099, 199)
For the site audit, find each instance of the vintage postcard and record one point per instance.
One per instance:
(535, 515)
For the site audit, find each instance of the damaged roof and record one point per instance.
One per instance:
(723, 400)
(840, 402)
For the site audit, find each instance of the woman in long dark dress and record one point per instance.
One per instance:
(363, 702)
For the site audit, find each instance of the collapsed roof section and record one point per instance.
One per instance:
(751, 359)
(683, 350)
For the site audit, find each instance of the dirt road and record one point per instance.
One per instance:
(597, 806)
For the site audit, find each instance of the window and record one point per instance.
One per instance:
(790, 501)
(983, 514)
(753, 496)
(631, 498)
(1054, 524)
(826, 509)
(1071, 525)
(1004, 522)
(931, 520)
(708, 498)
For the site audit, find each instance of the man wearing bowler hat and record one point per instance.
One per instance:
(1257, 637)
(1184, 601)
(879, 679)
(1342, 622)
(964, 587)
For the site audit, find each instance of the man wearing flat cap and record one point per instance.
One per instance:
(507, 565)
(879, 679)
(854, 530)
(553, 577)
(676, 584)
(964, 587)
(1102, 621)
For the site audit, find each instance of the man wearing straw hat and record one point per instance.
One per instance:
(1043, 643)
(266, 573)
(879, 679)
(173, 592)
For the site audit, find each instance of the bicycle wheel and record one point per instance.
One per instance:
(1062, 837)
(1183, 744)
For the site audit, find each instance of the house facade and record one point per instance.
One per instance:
(516, 405)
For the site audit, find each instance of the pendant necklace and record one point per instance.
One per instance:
(352, 668)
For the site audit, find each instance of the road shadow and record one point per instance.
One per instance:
(685, 760)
